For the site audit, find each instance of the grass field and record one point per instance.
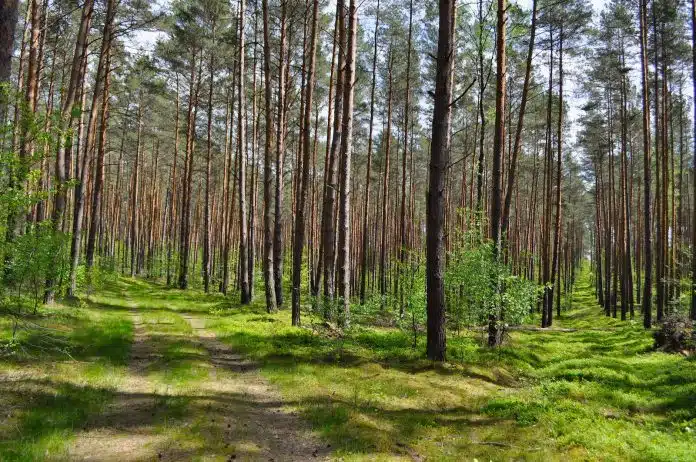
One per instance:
(598, 393)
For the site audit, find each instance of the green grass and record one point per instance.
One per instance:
(57, 376)
(600, 393)
(592, 394)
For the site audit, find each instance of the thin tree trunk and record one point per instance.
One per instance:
(8, 23)
(498, 155)
(267, 175)
(328, 229)
(555, 276)
(693, 173)
(245, 292)
(208, 165)
(368, 174)
(96, 213)
(386, 139)
(647, 164)
(344, 221)
(280, 157)
(304, 181)
(520, 123)
(185, 233)
(407, 108)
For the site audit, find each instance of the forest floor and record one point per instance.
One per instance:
(142, 372)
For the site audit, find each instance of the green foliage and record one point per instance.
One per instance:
(478, 285)
(97, 277)
(31, 259)
(412, 295)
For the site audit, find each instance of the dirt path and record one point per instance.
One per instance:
(256, 411)
(230, 413)
(124, 430)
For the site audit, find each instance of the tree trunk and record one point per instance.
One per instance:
(327, 225)
(402, 215)
(439, 159)
(245, 292)
(693, 173)
(555, 276)
(304, 181)
(344, 222)
(498, 155)
(279, 161)
(8, 23)
(96, 213)
(368, 174)
(185, 233)
(267, 174)
(386, 140)
(520, 123)
(207, 249)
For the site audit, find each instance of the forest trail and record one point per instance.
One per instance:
(225, 410)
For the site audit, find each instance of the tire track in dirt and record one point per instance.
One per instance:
(255, 411)
(125, 429)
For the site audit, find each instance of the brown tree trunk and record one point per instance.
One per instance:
(439, 159)
(299, 237)
(173, 199)
(267, 175)
(185, 233)
(546, 239)
(96, 213)
(555, 276)
(402, 215)
(208, 164)
(368, 174)
(8, 23)
(498, 155)
(386, 140)
(327, 225)
(279, 161)
(647, 165)
(693, 173)
(245, 291)
(344, 221)
(520, 123)
(135, 194)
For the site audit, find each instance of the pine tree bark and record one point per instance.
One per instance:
(97, 192)
(512, 174)
(555, 276)
(386, 140)
(498, 156)
(402, 215)
(135, 194)
(300, 225)
(207, 249)
(439, 158)
(344, 221)
(267, 174)
(280, 157)
(693, 173)
(327, 225)
(8, 24)
(647, 165)
(368, 174)
(185, 233)
(546, 238)
(173, 200)
(245, 291)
